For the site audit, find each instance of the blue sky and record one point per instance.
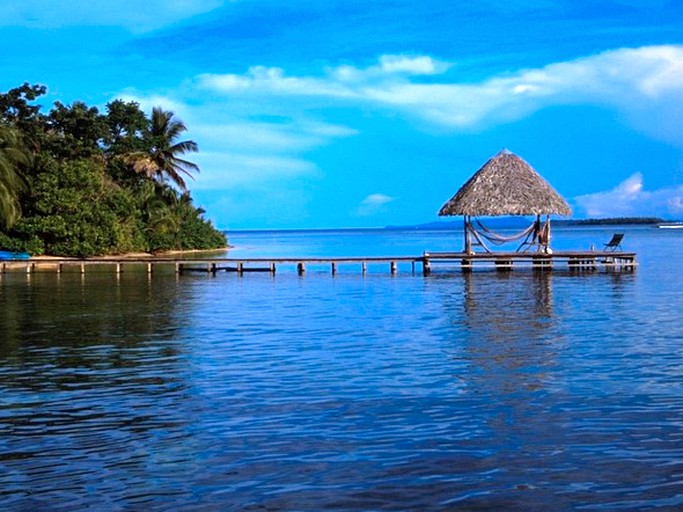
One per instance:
(314, 113)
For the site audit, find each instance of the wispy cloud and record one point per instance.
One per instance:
(373, 204)
(640, 82)
(240, 153)
(132, 15)
(338, 82)
(226, 170)
(259, 130)
(629, 199)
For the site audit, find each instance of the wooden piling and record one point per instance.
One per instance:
(503, 265)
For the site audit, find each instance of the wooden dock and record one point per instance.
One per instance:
(506, 261)
(578, 261)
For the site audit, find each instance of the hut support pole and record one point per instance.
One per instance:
(468, 243)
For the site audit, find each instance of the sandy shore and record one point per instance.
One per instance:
(135, 255)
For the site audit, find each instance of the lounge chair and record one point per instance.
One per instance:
(614, 243)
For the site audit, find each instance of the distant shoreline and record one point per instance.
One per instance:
(513, 222)
(498, 222)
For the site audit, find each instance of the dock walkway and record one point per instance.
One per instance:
(502, 261)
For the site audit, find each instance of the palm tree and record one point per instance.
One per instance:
(13, 155)
(162, 162)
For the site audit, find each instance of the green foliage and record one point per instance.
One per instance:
(126, 125)
(78, 211)
(14, 159)
(97, 184)
(17, 111)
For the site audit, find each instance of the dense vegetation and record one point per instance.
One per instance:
(78, 182)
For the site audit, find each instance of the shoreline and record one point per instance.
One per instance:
(134, 255)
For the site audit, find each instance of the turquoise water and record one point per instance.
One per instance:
(485, 391)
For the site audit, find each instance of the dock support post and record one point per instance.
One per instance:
(149, 268)
(466, 265)
(426, 267)
(392, 267)
(503, 265)
(301, 268)
(272, 268)
(119, 269)
(240, 269)
(82, 268)
(364, 268)
(178, 268)
(542, 263)
(334, 268)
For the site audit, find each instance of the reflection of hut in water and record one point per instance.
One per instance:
(510, 326)
(506, 185)
(535, 296)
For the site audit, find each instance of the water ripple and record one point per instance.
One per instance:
(379, 393)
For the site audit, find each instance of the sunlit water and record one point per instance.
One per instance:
(500, 391)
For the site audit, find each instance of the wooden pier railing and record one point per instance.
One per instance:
(502, 261)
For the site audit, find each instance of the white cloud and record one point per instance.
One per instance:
(229, 171)
(133, 15)
(340, 82)
(644, 83)
(372, 204)
(239, 153)
(422, 65)
(291, 137)
(630, 199)
(255, 130)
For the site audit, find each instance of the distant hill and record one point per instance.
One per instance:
(619, 221)
(521, 222)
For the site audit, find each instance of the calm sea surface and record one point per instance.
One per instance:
(481, 391)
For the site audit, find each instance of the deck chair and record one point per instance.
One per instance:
(614, 243)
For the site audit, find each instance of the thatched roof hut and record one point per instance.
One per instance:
(506, 185)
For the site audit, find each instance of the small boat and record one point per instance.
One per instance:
(13, 255)
(670, 225)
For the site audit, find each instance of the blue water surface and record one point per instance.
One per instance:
(488, 390)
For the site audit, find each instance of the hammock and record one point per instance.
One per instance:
(537, 233)
(497, 238)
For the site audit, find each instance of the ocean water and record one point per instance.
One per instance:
(481, 391)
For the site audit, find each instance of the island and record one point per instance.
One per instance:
(76, 182)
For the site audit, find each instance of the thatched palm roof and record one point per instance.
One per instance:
(506, 185)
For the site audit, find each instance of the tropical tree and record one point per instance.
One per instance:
(17, 110)
(126, 125)
(163, 162)
(13, 158)
(75, 131)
